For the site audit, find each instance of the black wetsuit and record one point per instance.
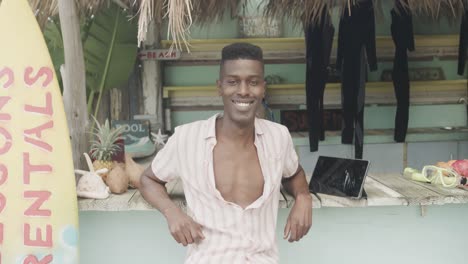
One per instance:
(319, 40)
(356, 39)
(402, 34)
(463, 47)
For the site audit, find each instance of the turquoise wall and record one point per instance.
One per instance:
(375, 117)
(384, 235)
(290, 73)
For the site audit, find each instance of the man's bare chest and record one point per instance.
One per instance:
(238, 174)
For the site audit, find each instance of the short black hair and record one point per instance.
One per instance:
(241, 50)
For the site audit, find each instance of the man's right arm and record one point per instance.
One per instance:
(182, 227)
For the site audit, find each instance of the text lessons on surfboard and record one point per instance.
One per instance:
(38, 204)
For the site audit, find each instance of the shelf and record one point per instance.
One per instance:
(421, 92)
(292, 50)
(382, 136)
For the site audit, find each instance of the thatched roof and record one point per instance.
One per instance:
(312, 10)
(181, 14)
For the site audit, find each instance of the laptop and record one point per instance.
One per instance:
(339, 177)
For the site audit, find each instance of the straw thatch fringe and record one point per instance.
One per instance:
(146, 15)
(148, 11)
(311, 11)
(181, 14)
(43, 9)
(206, 11)
(435, 8)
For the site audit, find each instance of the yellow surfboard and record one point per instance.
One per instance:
(38, 204)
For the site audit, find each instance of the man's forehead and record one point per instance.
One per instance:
(242, 60)
(242, 65)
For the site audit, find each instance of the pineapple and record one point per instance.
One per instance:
(104, 146)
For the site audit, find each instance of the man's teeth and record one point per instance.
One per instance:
(243, 104)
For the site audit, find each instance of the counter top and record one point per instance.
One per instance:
(381, 189)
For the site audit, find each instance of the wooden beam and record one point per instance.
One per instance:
(74, 81)
(152, 82)
(116, 104)
(292, 50)
(197, 45)
(421, 92)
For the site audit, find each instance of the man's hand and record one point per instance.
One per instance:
(182, 227)
(299, 219)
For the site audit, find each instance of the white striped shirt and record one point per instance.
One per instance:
(232, 234)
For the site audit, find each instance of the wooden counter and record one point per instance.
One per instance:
(382, 190)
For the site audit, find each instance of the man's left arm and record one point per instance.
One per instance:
(300, 217)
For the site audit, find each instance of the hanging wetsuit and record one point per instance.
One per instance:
(356, 39)
(463, 47)
(402, 34)
(319, 40)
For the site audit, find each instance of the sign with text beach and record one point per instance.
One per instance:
(38, 204)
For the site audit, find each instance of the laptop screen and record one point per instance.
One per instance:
(339, 176)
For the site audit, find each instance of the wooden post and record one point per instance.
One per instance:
(152, 81)
(135, 92)
(104, 108)
(74, 81)
(116, 104)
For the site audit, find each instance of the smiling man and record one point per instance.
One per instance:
(232, 167)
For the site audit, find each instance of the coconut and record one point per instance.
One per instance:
(117, 180)
(134, 171)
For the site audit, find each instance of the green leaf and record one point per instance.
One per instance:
(109, 47)
(53, 37)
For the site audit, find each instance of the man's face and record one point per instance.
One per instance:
(242, 88)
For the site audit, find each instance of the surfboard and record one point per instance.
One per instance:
(38, 203)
